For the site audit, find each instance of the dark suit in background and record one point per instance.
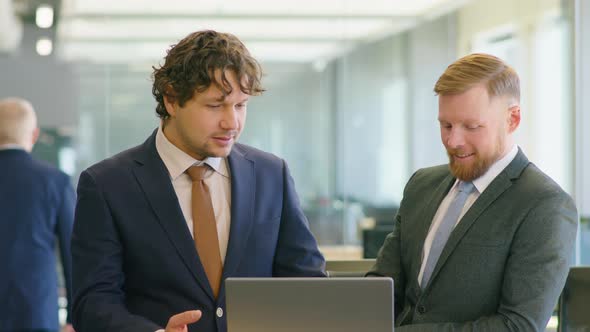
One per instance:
(36, 206)
(502, 267)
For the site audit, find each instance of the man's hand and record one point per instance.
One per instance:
(68, 328)
(178, 323)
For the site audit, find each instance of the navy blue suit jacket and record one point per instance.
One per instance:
(36, 206)
(135, 262)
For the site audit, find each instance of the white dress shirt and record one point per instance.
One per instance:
(11, 146)
(219, 183)
(481, 183)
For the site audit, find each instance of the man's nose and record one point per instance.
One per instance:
(455, 138)
(230, 119)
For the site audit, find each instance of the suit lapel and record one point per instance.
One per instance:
(243, 191)
(498, 186)
(152, 175)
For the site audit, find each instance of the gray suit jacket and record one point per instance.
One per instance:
(504, 264)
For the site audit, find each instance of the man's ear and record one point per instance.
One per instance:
(35, 137)
(513, 117)
(171, 104)
(28, 146)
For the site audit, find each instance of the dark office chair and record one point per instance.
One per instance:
(574, 303)
(374, 237)
(349, 268)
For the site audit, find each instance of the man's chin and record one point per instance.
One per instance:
(468, 172)
(463, 172)
(220, 152)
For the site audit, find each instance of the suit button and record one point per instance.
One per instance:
(421, 309)
(219, 312)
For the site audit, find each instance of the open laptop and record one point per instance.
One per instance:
(309, 304)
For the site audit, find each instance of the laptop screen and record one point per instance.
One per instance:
(309, 304)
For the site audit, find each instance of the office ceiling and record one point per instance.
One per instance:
(298, 31)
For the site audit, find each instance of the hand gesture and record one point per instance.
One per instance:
(178, 323)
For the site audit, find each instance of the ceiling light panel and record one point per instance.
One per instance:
(153, 52)
(292, 31)
(256, 7)
(174, 29)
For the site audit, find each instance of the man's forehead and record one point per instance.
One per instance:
(214, 93)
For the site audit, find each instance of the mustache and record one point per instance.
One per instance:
(453, 152)
(232, 133)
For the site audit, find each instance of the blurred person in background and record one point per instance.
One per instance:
(36, 208)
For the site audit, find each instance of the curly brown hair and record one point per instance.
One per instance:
(191, 64)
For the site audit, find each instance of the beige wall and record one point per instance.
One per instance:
(547, 113)
(480, 16)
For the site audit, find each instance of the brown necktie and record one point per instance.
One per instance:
(205, 228)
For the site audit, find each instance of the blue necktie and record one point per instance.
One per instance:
(445, 228)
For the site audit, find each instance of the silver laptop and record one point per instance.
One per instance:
(309, 304)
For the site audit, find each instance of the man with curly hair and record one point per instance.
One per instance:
(160, 226)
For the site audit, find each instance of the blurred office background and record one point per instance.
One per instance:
(349, 104)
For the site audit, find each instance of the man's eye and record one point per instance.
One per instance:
(214, 105)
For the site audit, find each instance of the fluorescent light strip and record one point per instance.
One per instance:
(154, 52)
(79, 29)
(256, 7)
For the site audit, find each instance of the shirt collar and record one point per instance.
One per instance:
(178, 161)
(11, 146)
